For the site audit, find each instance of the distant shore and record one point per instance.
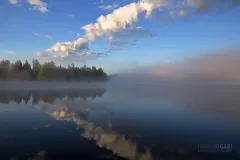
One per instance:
(48, 71)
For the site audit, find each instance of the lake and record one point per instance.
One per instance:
(108, 122)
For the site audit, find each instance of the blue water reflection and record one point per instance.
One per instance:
(103, 124)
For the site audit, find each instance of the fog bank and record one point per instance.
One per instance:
(208, 68)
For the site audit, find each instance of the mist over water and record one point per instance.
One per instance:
(134, 119)
(187, 109)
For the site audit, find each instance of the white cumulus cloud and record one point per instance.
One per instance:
(116, 21)
(49, 36)
(203, 6)
(108, 7)
(14, 1)
(123, 17)
(41, 54)
(38, 5)
(9, 51)
(35, 33)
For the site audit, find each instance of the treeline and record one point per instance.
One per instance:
(48, 71)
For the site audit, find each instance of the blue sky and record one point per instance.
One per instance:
(26, 29)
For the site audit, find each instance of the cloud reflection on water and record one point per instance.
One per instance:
(60, 106)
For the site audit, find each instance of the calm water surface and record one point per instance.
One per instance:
(99, 123)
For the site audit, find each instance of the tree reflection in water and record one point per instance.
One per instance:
(104, 136)
(48, 96)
